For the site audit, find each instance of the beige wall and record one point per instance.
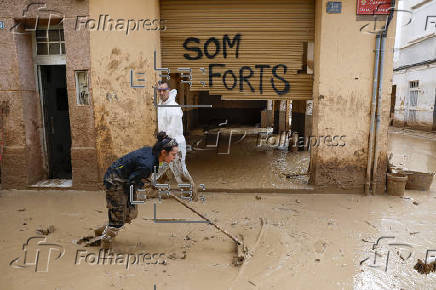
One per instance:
(344, 60)
(12, 94)
(23, 156)
(124, 116)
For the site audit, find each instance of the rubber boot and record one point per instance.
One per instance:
(99, 231)
(109, 234)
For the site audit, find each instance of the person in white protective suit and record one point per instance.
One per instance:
(170, 120)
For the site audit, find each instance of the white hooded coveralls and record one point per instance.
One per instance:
(170, 121)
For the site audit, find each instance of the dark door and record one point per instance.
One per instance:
(56, 120)
(434, 112)
(393, 101)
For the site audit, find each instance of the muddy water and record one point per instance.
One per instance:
(415, 151)
(308, 241)
(275, 169)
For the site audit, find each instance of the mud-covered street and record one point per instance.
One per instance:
(322, 241)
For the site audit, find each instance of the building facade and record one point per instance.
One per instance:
(415, 66)
(77, 86)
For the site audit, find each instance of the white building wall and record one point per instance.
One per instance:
(415, 43)
(421, 115)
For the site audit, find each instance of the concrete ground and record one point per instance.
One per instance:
(307, 241)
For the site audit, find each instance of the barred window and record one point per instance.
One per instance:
(413, 92)
(413, 84)
(50, 42)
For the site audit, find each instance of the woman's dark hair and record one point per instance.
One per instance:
(164, 142)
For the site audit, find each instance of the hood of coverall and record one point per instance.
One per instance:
(171, 98)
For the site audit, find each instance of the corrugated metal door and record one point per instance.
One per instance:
(241, 49)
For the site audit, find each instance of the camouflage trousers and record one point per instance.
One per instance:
(120, 210)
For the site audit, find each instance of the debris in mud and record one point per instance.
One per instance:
(371, 224)
(258, 197)
(174, 256)
(21, 209)
(295, 175)
(413, 233)
(45, 231)
(99, 211)
(317, 260)
(297, 201)
(86, 239)
(320, 247)
(424, 268)
(415, 203)
(187, 238)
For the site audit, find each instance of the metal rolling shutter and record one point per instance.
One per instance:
(272, 32)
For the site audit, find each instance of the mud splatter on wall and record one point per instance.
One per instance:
(125, 117)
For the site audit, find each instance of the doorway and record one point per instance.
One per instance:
(393, 102)
(434, 112)
(52, 80)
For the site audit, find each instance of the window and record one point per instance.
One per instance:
(413, 92)
(50, 42)
(413, 84)
(82, 92)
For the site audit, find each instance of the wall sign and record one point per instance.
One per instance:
(334, 7)
(371, 7)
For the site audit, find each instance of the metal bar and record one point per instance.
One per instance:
(373, 109)
(236, 240)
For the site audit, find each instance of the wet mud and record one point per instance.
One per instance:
(307, 241)
(248, 166)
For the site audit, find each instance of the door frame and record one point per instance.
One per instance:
(39, 60)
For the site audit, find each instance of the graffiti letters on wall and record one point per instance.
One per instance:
(242, 79)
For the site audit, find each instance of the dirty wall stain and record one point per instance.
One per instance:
(125, 116)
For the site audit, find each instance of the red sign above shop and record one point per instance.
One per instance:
(371, 7)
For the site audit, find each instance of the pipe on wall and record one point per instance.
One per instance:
(378, 113)
(377, 104)
(373, 109)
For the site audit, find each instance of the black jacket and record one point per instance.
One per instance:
(134, 166)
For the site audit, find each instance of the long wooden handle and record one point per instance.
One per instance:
(236, 240)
